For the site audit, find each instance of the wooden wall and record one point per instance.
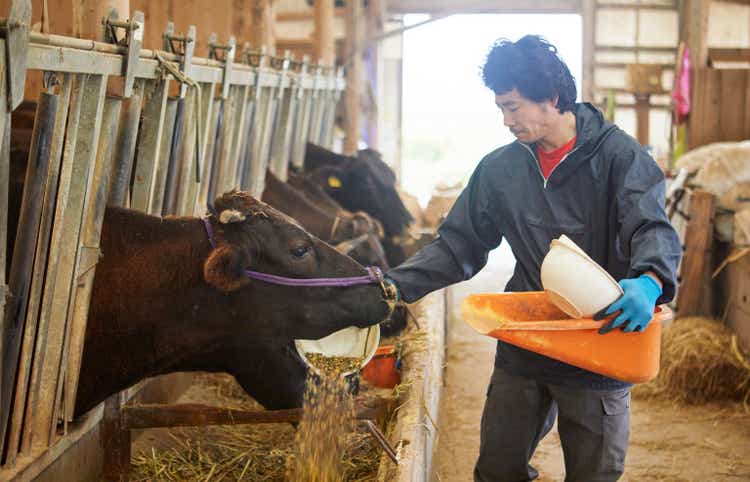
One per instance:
(720, 106)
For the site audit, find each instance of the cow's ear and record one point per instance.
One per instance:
(225, 268)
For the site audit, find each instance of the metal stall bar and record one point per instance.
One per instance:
(186, 185)
(285, 97)
(162, 161)
(331, 122)
(302, 124)
(262, 143)
(127, 136)
(88, 257)
(318, 102)
(226, 164)
(155, 98)
(91, 92)
(40, 264)
(206, 114)
(241, 133)
(28, 232)
(256, 101)
(210, 152)
(301, 101)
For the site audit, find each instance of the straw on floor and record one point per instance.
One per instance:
(701, 361)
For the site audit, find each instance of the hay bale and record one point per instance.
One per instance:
(700, 362)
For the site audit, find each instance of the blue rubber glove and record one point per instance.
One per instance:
(636, 305)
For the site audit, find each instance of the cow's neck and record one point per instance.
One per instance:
(145, 325)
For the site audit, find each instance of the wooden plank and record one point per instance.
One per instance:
(115, 441)
(40, 267)
(24, 250)
(198, 415)
(695, 268)
(88, 255)
(733, 89)
(50, 338)
(712, 104)
(746, 121)
(728, 55)
(150, 143)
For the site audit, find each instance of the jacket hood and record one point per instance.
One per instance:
(591, 127)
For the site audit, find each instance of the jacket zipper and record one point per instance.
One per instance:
(536, 162)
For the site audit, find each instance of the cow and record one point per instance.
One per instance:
(165, 300)
(331, 223)
(362, 183)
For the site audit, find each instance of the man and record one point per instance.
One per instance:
(569, 172)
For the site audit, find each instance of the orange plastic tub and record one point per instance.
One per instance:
(531, 321)
(381, 371)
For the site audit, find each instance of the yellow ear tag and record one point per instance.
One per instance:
(334, 182)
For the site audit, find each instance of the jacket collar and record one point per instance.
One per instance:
(591, 131)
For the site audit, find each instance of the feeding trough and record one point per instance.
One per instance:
(531, 321)
(351, 346)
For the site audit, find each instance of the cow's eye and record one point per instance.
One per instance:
(300, 251)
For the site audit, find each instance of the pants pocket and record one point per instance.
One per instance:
(615, 429)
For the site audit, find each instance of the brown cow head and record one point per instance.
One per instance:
(251, 235)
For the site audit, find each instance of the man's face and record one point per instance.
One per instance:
(529, 121)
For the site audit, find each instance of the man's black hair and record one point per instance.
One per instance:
(532, 66)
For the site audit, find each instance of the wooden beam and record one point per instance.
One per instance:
(642, 108)
(263, 20)
(695, 270)
(694, 31)
(487, 6)
(199, 415)
(354, 77)
(304, 15)
(728, 55)
(323, 41)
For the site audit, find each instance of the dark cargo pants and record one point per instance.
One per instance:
(594, 426)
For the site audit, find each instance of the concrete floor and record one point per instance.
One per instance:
(669, 442)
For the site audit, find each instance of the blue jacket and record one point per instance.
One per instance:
(607, 195)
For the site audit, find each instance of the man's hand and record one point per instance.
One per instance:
(636, 305)
(391, 290)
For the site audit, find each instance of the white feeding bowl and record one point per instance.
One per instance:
(574, 282)
(350, 342)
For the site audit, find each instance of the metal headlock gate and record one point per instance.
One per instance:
(234, 116)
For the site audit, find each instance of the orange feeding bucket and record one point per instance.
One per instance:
(530, 321)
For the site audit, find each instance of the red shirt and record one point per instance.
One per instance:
(548, 160)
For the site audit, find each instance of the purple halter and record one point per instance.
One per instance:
(374, 274)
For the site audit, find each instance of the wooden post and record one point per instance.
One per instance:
(323, 41)
(694, 32)
(642, 114)
(88, 15)
(115, 442)
(695, 272)
(264, 19)
(354, 77)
